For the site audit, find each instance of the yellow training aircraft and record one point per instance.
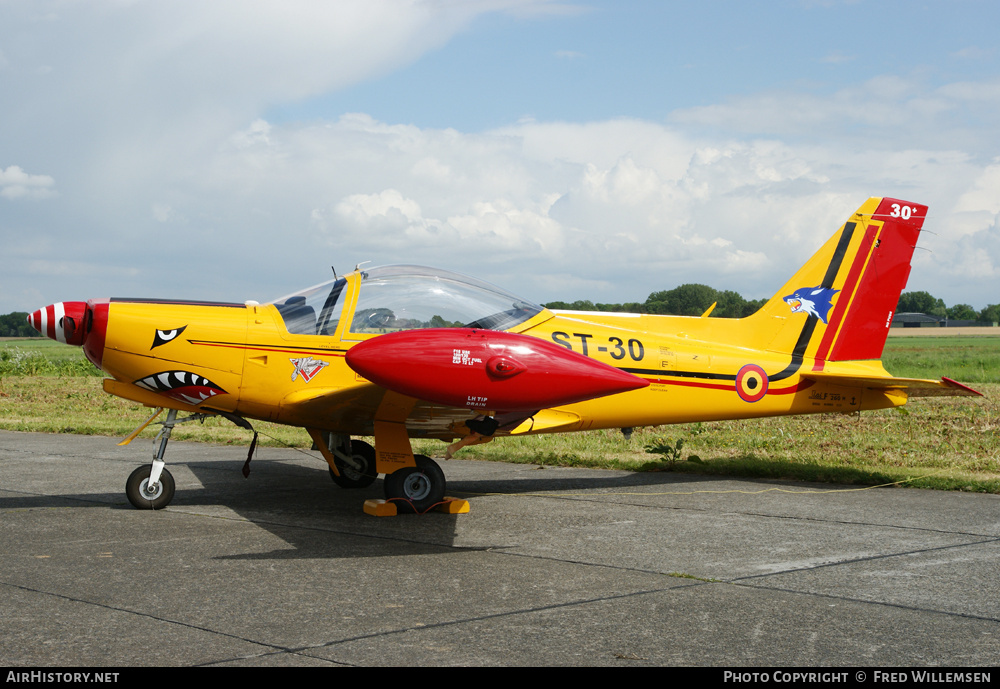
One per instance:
(403, 351)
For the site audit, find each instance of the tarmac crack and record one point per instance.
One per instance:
(765, 515)
(862, 601)
(743, 580)
(277, 649)
(588, 601)
(869, 558)
(472, 619)
(156, 618)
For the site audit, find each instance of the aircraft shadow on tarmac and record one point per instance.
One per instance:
(301, 506)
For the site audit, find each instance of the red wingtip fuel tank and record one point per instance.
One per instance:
(485, 369)
(79, 323)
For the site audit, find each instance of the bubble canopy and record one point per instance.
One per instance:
(404, 297)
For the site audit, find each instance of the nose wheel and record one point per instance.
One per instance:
(147, 495)
(416, 489)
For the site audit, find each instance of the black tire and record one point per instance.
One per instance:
(416, 489)
(350, 477)
(136, 489)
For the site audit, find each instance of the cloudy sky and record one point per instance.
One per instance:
(575, 149)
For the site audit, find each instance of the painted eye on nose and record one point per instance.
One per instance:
(162, 337)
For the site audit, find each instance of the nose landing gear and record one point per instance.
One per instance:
(152, 487)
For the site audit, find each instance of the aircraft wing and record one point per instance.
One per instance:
(434, 380)
(356, 409)
(913, 387)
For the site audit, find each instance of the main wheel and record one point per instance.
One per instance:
(416, 489)
(361, 477)
(142, 496)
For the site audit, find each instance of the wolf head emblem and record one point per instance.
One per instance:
(814, 301)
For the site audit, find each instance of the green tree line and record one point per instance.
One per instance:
(923, 302)
(686, 300)
(16, 325)
(695, 299)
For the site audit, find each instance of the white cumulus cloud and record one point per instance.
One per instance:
(15, 183)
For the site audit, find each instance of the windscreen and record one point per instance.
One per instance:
(314, 311)
(411, 297)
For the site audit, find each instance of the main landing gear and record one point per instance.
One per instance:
(354, 459)
(412, 489)
(416, 489)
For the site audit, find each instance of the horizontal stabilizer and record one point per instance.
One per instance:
(914, 387)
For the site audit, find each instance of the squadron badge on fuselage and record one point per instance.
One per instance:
(307, 367)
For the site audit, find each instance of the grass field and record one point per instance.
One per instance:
(944, 443)
(962, 358)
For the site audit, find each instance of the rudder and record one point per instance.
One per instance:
(848, 291)
(875, 282)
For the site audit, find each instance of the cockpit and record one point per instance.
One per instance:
(402, 297)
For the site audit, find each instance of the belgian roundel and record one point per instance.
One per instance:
(751, 383)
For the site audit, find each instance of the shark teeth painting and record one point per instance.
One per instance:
(182, 386)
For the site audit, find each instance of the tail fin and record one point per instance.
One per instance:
(839, 305)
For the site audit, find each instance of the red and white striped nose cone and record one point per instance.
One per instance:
(62, 322)
(44, 320)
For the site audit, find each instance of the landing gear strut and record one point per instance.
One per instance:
(152, 487)
(356, 463)
(354, 459)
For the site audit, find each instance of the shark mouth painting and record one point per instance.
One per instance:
(182, 386)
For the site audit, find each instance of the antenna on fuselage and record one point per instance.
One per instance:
(335, 276)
